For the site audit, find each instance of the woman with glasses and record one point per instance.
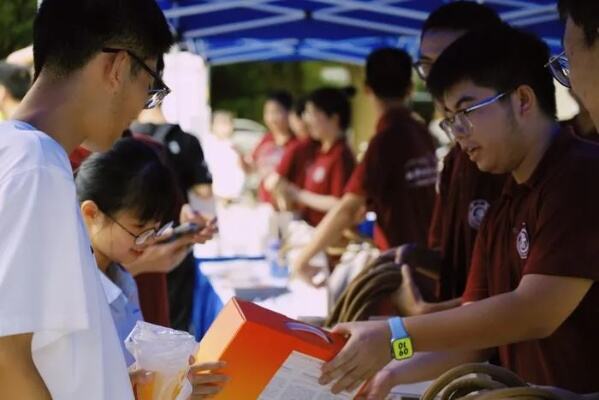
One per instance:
(125, 196)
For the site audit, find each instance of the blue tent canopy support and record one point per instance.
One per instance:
(231, 31)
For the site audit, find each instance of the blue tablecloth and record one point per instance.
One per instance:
(206, 302)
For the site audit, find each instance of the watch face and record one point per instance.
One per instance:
(402, 348)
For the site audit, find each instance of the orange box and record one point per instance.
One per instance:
(255, 342)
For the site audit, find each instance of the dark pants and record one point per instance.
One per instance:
(180, 293)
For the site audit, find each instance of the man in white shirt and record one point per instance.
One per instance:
(95, 69)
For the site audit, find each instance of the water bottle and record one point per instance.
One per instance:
(276, 262)
(366, 227)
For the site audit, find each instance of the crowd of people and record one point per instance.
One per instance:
(93, 180)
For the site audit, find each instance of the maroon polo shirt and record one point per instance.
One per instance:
(465, 195)
(77, 157)
(296, 160)
(397, 176)
(549, 226)
(327, 175)
(266, 156)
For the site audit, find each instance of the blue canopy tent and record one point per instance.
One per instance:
(230, 31)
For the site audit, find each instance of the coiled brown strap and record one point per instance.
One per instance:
(489, 383)
(359, 300)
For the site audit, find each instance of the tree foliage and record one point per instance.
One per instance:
(16, 25)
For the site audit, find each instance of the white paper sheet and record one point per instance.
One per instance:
(297, 379)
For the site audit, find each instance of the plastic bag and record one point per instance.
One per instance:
(165, 352)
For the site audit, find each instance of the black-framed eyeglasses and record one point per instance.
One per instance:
(422, 68)
(146, 236)
(560, 68)
(159, 90)
(460, 121)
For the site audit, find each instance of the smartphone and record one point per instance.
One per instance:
(182, 230)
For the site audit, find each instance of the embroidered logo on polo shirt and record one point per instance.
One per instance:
(476, 212)
(319, 174)
(422, 171)
(523, 242)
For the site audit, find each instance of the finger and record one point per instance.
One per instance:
(343, 329)
(397, 256)
(201, 238)
(188, 213)
(408, 279)
(349, 379)
(367, 375)
(341, 364)
(331, 375)
(208, 366)
(304, 273)
(201, 379)
(377, 390)
(181, 243)
(366, 389)
(406, 274)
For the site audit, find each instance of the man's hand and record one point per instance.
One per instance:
(379, 387)
(301, 269)
(292, 192)
(205, 381)
(398, 255)
(407, 297)
(210, 227)
(366, 352)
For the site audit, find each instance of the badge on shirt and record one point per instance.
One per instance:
(523, 242)
(174, 147)
(476, 212)
(319, 174)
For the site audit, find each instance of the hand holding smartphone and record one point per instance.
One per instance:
(187, 229)
(180, 231)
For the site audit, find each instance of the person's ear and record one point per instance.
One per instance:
(525, 99)
(336, 119)
(90, 212)
(117, 67)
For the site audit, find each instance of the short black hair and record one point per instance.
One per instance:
(461, 16)
(15, 78)
(333, 101)
(389, 73)
(585, 14)
(281, 97)
(299, 106)
(128, 177)
(67, 33)
(501, 58)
